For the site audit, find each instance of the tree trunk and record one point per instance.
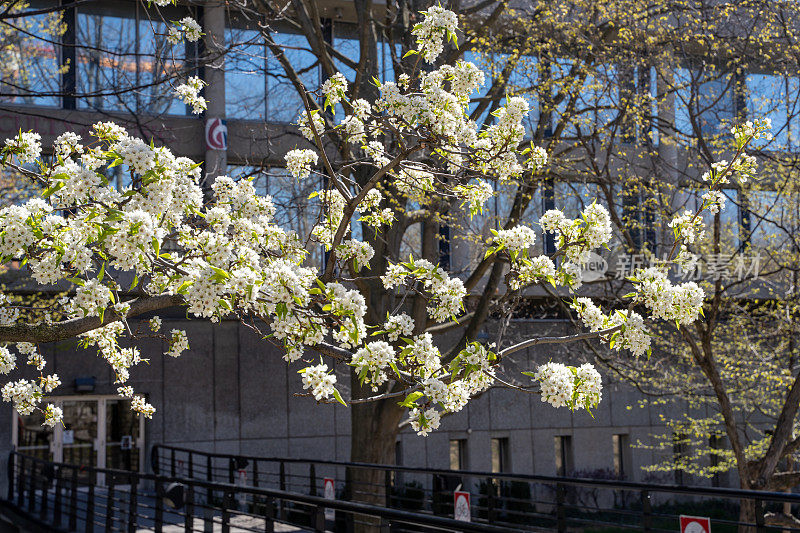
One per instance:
(375, 427)
(747, 514)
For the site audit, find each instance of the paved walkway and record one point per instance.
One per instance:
(145, 511)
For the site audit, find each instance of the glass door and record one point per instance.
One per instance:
(32, 437)
(123, 436)
(79, 434)
(98, 431)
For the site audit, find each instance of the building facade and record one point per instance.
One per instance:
(232, 392)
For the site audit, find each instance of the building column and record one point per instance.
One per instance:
(216, 160)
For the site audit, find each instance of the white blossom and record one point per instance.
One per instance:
(189, 93)
(299, 162)
(425, 421)
(52, 415)
(319, 381)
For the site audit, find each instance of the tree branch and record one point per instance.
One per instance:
(72, 328)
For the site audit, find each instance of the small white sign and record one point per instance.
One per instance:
(68, 437)
(330, 489)
(461, 506)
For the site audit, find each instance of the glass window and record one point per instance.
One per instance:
(245, 75)
(31, 57)
(717, 443)
(106, 58)
(773, 218)
(284, 103)
(501, 455)
(775, 97)
(679, 457)
(160, 62)
(707, 96)
(125, 62)
(621, 446)
(458, 454)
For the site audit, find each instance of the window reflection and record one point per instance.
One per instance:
(30, 58)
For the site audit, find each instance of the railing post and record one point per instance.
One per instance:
(256, 497)
(190, 466)
(269, 515)
(90, 509)
(11, 478)
(282, 485)
(110, 503)
(188, 523)
(45, 490)
(760, 525)
(20, 481)
(172, 462)
(159, 514)
(226, 514)
(32, 488)
(57, 501)
(319, 519)
(231, 469)
(647, 511)
(387, 487)
(133, 503)
(73, 500)
(312, 480)
(561, 516)
(208, 523)
(491, 501)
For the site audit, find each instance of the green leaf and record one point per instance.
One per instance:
(338, 396)
(411, 399)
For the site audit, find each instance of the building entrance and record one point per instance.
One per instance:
(97, 431)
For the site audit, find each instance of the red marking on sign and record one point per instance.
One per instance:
(330, 489)
(216, 134)
(695, 524)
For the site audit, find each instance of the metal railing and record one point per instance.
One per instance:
(66, 497)
(523, 502)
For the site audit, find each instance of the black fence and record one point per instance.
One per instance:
(64, 497)
(519, 502)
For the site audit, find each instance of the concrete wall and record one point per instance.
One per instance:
(232, 392)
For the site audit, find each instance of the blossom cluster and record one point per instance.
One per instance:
(446, 293)
(189, 93)
(186, 27)
(319, 381)
(681, 303)
(566, 386)
(430, 33)
(299, 162)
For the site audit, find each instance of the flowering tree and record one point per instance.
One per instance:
(627, 96)
(223, 256)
